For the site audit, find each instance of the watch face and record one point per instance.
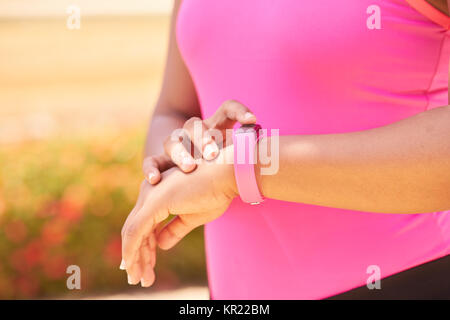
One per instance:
(247, 128)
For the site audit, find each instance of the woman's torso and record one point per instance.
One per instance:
(315, 67)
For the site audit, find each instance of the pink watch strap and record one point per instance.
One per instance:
(244, 140)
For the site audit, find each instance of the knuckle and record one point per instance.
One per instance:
(226, 105)
(170, 147)
(147, 163)
(230, 102)
(177, 135)
(131, 231)
(230, 108)
(234, 105)
(167, 141)
(190, 122)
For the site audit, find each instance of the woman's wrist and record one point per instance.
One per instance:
(227, 154)
(225, 165)
(225, 160)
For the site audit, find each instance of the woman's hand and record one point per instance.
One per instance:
(179, 153)
(195, 199)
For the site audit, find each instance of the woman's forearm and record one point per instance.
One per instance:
(403, 167)
(161, 126)
(177, 101)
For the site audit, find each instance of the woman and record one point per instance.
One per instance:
(360, 95)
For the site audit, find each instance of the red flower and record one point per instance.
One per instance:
(33, 253)
(54, 231)
(70, 210)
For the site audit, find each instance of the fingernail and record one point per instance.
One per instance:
(130, 280)
(151, 176)
(123, 266)
(187, 162)
(210, 151)
(248, 115)
(143, 283)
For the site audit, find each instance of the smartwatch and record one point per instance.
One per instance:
(245, 140)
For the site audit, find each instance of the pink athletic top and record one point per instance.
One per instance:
(315, 67)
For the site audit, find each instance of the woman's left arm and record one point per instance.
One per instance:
(403, 167)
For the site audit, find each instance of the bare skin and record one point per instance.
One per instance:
(400, 168)
(441, 5)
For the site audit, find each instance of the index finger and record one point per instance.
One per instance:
(139, 225)
(228, 113)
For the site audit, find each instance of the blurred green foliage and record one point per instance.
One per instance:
(63, 202)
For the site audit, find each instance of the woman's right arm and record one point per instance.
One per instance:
(177, 103)
(178, 107)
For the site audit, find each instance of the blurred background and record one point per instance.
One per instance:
(74, 107)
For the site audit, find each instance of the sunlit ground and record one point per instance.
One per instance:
(188, 293)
